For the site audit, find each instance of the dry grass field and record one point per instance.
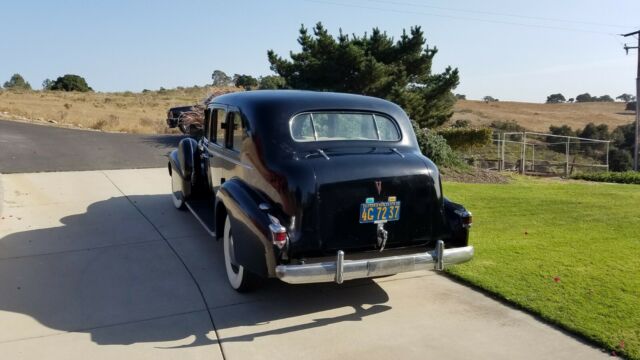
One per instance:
(143, 113)
(146, 112)
(538, 117)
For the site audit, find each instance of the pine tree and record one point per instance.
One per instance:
(375, 65)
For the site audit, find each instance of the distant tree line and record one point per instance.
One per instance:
(586, 97)
(221, 79)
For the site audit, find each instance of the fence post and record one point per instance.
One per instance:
(533, 157)
(524, 153)
(504, 143)
(566, 168)
(499, 142)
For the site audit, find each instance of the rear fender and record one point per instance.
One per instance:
(183, 162)
(458, 225)
(252, 245)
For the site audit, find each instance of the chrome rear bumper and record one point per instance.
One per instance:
(342, 269)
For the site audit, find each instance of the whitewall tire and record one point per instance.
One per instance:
(239, 279)
(177, 195)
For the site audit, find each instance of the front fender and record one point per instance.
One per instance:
(251, 237)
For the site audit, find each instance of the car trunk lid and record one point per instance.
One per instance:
(348, 178)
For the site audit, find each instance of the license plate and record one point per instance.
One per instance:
(379, 212)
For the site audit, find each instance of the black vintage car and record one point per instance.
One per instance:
(316, 187)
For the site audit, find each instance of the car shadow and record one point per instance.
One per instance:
(114, 274)
(169, 141)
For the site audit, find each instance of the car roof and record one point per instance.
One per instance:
(294, 101)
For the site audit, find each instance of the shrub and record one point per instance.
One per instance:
(435, 147)
(555, 99)
(631, 106)
(628, 177)
(586, 97)
(563, 130)
(464, 138)
(620, 160)
(461, 123)
(593, 131)
(272, 82)
(247, 82)
(506, 126)
(17, 82)
(71, 82)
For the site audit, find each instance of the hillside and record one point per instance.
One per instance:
(143, 113)
(538, 117)
(146, 112)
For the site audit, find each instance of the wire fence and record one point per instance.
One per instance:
(542, 154)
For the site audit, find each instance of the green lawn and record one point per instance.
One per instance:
(568, 251)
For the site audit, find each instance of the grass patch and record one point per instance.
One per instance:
(627, 177)
(565, 250)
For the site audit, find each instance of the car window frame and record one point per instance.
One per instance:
(231, 112)
(213, 138)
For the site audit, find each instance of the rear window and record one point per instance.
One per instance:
(328, 126)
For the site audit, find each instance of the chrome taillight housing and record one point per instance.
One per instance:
(278, 235)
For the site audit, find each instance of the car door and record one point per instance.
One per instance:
(216, 145)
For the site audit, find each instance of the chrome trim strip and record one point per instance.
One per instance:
(239, 163)
(356, 269)
(324, 155)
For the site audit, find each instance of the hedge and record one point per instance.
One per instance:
(627, 177)
(464, 138)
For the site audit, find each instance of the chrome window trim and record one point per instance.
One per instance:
(372, 113)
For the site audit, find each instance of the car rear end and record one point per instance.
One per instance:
(378, 207)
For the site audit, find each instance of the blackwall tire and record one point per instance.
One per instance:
(239, 279)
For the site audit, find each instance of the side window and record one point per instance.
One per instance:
(218, 123)
(237, 131)
(386, 128)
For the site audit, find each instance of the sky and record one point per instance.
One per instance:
(511, 50)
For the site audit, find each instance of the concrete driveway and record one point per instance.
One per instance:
(99, 265)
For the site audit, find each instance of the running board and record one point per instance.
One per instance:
(203, 211)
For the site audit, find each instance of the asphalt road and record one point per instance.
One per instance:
(36, 148)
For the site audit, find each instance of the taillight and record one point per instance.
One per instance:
(467, 221)
(465, 217)
(278, 235)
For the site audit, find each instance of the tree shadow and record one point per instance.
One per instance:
(108, 272)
